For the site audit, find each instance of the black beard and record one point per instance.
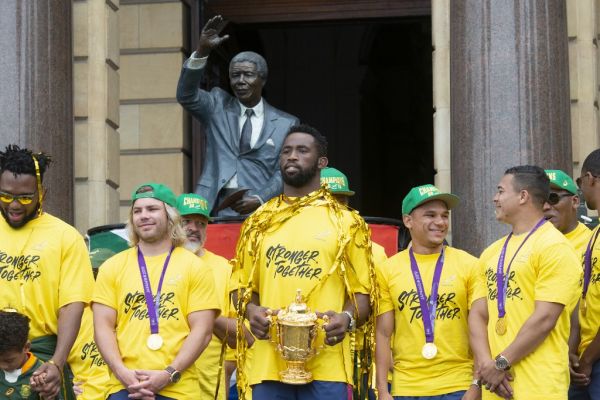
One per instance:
(25, 220)
(301, 178)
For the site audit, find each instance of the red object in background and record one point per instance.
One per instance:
(222, 237)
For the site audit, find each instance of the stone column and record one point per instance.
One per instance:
(36, 89)
(510, 102)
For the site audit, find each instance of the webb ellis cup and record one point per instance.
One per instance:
(295, 334)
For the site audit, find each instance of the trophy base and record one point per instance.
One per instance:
(296, 374)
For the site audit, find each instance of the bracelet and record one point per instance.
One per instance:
(476, 382)
(55, 364)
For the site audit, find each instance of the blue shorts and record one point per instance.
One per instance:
(316, 390)
(124, 395)
(448, 396)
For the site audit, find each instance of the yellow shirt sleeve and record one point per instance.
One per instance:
(475, 281)
(76, 275)
(358, 256)
(202, 295)
(104, 288)
(385, 300)
(556, 282)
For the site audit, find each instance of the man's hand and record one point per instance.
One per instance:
(336, 328)
(259, 323)
(246, 205)
(578, 377)
(209, 38)
(150, 382)
(47, 380)
(473, 393)
(494, 380)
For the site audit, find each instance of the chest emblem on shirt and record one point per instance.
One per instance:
(322, 236)
(174, 280)
(449, 281)
(9, 391)
(25, 391)
(39, 246)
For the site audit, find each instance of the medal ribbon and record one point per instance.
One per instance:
(587, 272)
(428, 309)
(501, 277)
(152, 302)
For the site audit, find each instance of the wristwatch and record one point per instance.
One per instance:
(476, 382)
(175, 375)
(352, 323)
(502, 363)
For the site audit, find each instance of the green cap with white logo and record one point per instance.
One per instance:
(422, 194)
(156, 191)
(336, 181)
(192, 203)
(560, 180)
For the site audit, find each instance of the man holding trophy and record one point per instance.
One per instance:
(303, 263)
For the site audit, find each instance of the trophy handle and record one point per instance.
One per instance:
(320, 333)
(273, 331)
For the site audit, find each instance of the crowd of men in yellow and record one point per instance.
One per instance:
(168, 319)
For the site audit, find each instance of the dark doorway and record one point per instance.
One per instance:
(366, 85)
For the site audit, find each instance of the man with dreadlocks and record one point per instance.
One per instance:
(303, 239)
(45, 271)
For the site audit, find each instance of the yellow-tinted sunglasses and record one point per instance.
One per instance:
(23, 199)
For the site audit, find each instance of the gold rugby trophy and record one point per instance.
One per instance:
(294, 331)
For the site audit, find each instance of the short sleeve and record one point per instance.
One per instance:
(385, 299)
(105, 291)
(476, 288)
(201, 294)
(558, 274)
(76, 275)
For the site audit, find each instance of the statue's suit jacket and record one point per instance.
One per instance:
(219, 112)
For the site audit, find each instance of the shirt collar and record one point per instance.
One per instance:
(259, 109)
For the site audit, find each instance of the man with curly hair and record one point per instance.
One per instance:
(45, 271)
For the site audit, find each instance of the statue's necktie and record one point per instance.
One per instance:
(246, 132)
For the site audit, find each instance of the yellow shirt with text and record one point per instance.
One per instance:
(451, 369)
(207, 364)
(86, 362)
(49, 259)
(298, 255)
(545, 269)
(590, 322)
(188, 287)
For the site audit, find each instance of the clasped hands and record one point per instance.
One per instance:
(495, 380)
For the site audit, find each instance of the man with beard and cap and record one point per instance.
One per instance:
(303, 240)
(585, 374)
(195, 212)
(45, 271)
(561, 209)
(519, 332)
(154, 305)
(243, 132)
(426, 293)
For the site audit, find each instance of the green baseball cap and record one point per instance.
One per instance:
(156, 191)
(336, 181)
(560, 180)
(192, 203)
(422, 194)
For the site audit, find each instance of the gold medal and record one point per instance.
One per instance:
(501, 326)
(583, 306)
(154, 342)
(429, 351)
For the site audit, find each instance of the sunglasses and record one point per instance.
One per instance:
(23, 199)
(554, 198)
(580, 179)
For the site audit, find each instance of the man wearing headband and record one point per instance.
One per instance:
(195, 212)
(45, 271)
(561, 209)
(154, 305)
(585, 374)
(426, 292)
(519, 333)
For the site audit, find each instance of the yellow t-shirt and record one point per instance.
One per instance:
(207, 364)
(452, 368)
(545, 269)
(298, 255)
(579, 238)
(187, 287)
(49, 258)
(86, 362)
(379, 255)
(590, 322)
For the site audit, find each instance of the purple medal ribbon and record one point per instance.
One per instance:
(587, 272)
(152, 302)
(501, 277)
(428, 309)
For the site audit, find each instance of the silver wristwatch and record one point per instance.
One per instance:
(352, 323)
(502, 363)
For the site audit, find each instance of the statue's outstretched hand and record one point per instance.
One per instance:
(209, 38)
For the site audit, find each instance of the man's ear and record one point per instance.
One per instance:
(575, 201)
(323, 162)
(407, 219)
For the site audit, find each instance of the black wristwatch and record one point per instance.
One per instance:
(175, 375)
(502, 363)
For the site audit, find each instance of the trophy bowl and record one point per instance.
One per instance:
(295, 333)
